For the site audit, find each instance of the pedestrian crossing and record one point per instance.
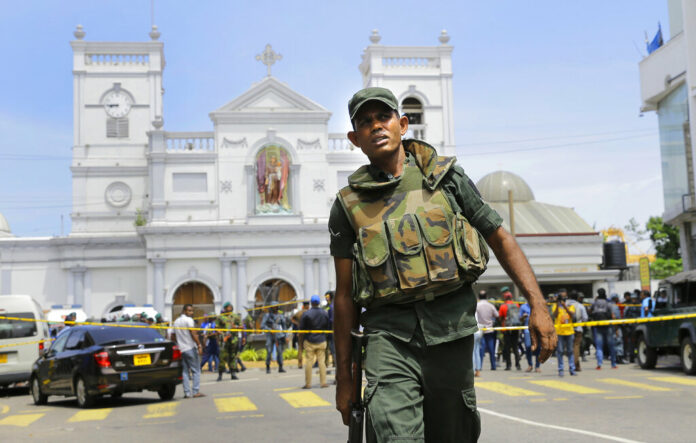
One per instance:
(237, 405)
(230, 403)
(609, 385)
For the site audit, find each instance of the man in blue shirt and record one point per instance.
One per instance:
(314, 344)
(647, 306)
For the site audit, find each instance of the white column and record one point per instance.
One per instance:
(78, 277)
(323, 275)
(158, 284)
(241, 285)
(308, 276)
(226, 265)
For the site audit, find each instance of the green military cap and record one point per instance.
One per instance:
(158, 316)
(504, 289)
(365, 95)
(226, 304)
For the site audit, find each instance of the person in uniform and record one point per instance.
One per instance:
(229, 340)
(274, 322)
(405, 230)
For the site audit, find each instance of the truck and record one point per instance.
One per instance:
(670, 337)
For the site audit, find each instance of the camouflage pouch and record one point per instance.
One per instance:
(363, 291)
(407, 248)
(374, 255)
(471, 250)
(439, 250)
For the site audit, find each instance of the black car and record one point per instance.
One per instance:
(90, 361)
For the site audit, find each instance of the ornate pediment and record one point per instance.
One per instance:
(270, 95)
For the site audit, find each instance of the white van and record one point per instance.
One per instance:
(16, 361)
(129, 309)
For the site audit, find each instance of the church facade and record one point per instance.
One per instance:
(237, 213)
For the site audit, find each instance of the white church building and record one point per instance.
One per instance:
(239, 212)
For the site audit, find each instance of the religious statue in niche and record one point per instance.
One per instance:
(272, 173)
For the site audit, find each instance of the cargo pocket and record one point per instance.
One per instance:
(374, 253)
(472, 250)
(406, 243)
(439, 250)
(363, 291)
(472, 419)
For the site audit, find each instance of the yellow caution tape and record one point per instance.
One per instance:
(27, 343)
(622, 321)
(291, 302)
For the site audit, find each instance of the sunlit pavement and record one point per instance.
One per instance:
(625, 404)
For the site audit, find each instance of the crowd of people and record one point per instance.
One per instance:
(574, 342)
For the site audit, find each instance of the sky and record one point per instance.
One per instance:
(548, 90)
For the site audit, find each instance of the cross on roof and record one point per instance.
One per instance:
(268, 57)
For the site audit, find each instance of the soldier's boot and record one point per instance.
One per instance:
(241, 364)
(220, 372)
(280, 369)
(234, 375)
(268, 369)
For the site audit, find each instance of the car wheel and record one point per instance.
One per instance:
(688, 356)
(39, 397)
(84, 400)
(647, 356)
(166, 392)
(116, 394)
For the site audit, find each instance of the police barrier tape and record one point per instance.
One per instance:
(155, 326)
(27, 343)
(500, 302)
(624, 321)
(291, 302)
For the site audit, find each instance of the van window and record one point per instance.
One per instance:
(17, 328)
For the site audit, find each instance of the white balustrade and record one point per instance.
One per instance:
(190, 141)
(410, 62)
(339, 142)
(117, 59)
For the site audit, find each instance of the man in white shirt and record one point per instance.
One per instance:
(191, 350)
(486, 315)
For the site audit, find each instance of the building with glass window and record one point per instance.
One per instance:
(668, 87)
(238, 212)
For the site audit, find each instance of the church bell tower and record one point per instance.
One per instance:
(117, 99)
(421, 79)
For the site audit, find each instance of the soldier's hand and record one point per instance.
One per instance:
(343, 398)
(542, 332)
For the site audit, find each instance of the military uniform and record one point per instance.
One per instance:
(229, 348)
(412, 392)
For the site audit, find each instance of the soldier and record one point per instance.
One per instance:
(409, 230)
(274, 321)
(229, 345)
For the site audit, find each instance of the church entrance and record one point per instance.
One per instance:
(275, 289)
(195, 293)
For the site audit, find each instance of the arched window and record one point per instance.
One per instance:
(413, 109)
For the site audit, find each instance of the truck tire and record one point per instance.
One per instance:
(647, 356)
(688, 355)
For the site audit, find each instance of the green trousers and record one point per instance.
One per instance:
(419, 393)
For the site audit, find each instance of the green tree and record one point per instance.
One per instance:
(665, 267)
(664, 237)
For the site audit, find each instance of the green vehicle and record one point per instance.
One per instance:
(672, 336)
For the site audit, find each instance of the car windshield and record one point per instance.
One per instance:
(17, 328)
(109, 335)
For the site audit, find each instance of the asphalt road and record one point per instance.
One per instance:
(626, 404)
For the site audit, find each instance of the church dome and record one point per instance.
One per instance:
(4, 227)
(494, 187)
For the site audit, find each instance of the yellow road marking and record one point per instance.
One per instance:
(304, 399)
(234, 404)
(560, 399)
(284, 389)
(229, 417)
(676, 380)
(504, 389)
(22, 420)
(622, 397)
(227, 394)
(161, 410)
(90, 415)
(4, 409)
(568, 387)
(632, 384)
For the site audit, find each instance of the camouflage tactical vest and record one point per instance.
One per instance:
(410, 244)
